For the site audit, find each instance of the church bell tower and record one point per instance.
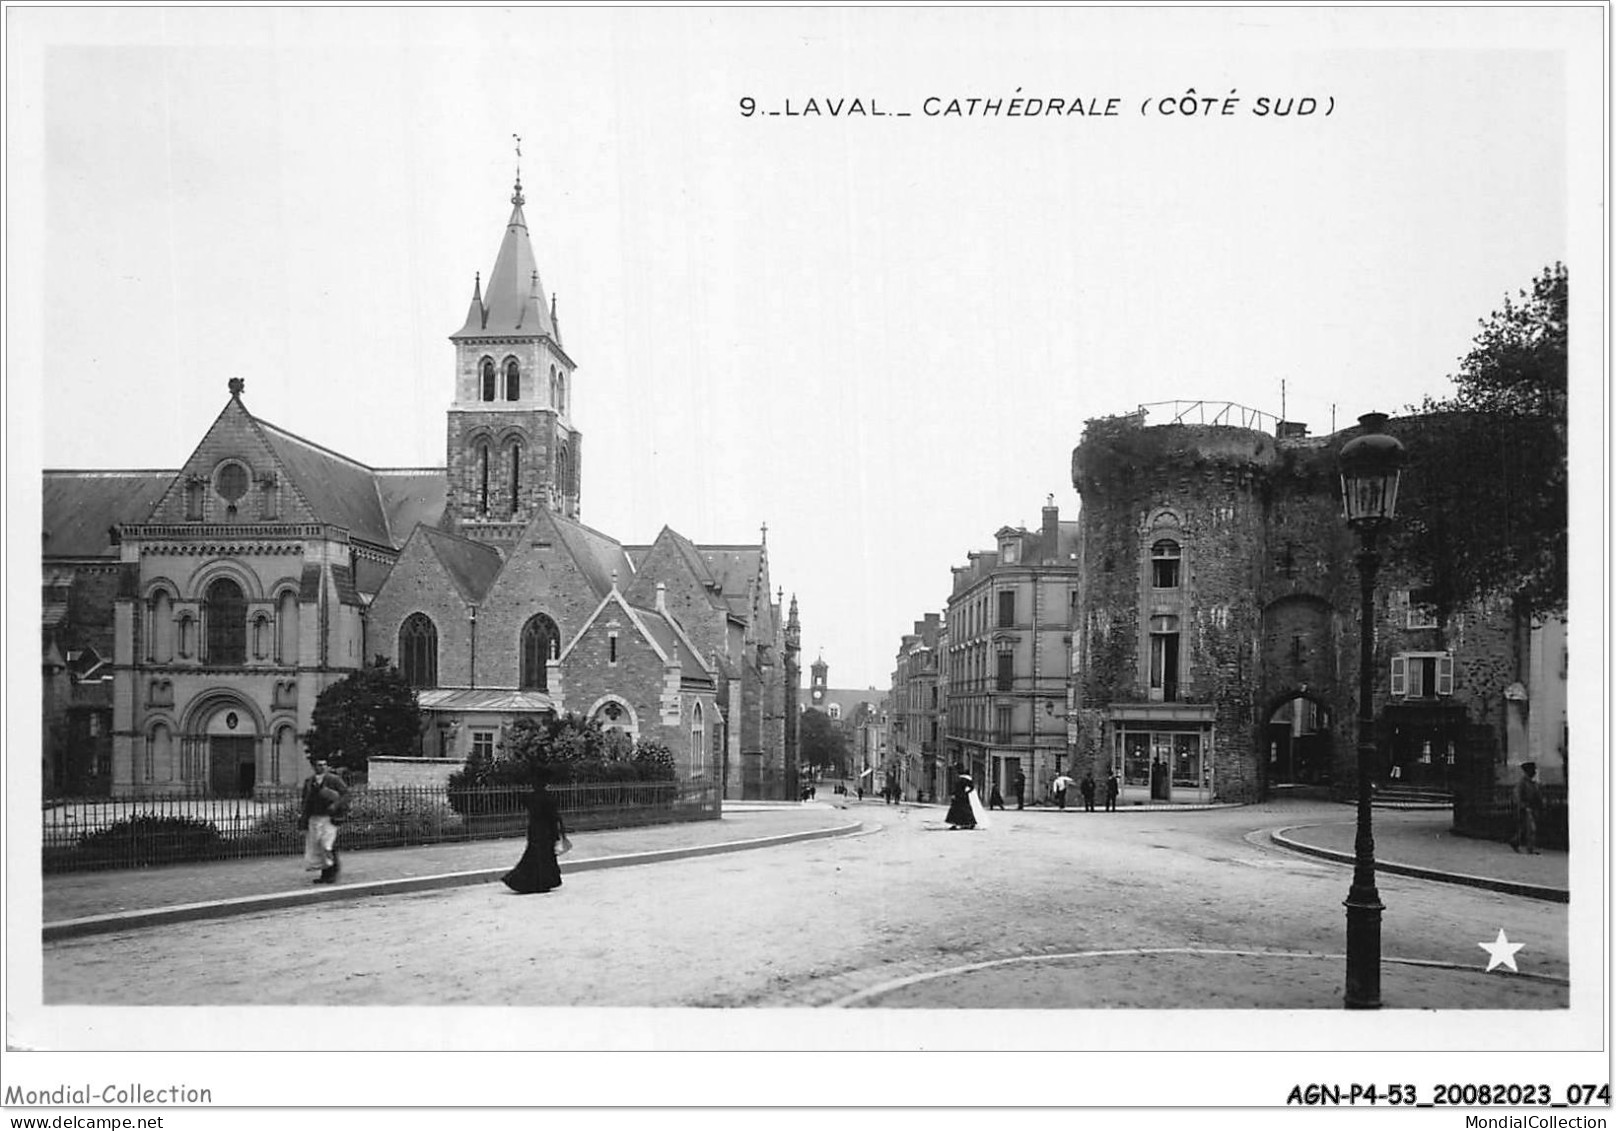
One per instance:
(511, 447)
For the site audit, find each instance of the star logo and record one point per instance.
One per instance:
(1501, 952)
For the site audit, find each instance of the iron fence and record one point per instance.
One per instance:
(1486, 810)
(92, 833)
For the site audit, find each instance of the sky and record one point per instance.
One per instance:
(878, 334)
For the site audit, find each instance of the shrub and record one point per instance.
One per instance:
(153, 840)
(653, 761)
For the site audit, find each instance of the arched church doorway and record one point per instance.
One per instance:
(1297, 742)
(232, 741)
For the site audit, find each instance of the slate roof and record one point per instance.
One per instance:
(471, 565)
(514, 304)
(411, 496)
(674, 644)
(483, 699)
(341, 491)
(79, 507)
(597, 554)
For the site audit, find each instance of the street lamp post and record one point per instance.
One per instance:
(1371, 466)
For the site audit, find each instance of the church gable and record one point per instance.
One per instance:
(232, 476)
(435, 578)
(690, 593)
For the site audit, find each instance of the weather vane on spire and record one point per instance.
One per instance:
(516, 197)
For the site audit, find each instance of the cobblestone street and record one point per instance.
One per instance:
(893, 916)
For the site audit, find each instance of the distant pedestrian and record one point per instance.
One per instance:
(995, 799)
(1021, 790)
(325, 807)
(960, 815)
(861, 791)
(1111, 791)
(1059, 786)
(1528, 807)
(1086, 788)
(538, 869)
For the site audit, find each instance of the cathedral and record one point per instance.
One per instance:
(191, 618)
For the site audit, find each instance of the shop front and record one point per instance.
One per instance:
(1162, 752)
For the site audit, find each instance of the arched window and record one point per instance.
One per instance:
(541, 643)
(563, 472)
(513, 380)
(159, 754)
(482, 478)
(283, 754)
(286, 635)
(516, 478)
(418, 651)
(225, 616)
(552, 386)
(261, 636)
(488, 379)
(561, 392)
(160, 632)
(698, 740)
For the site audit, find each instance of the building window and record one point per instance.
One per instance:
(225, 616)
(488, 379)
(561, 392)
(611, 648)
(516, 478)
(193, 499)
(231, 482)
(1007, 608)
(269, 496)
(286, 635)
(552, 386)
(1164, 659)
(1422, 675)
(1422, 608)
(160, 634)
(541, 643)
(1004, 732)
(261, 636)
(698, 740)
(482, 479)
(1164, 560)
(418, 651)
(482, 743)
(513, 380)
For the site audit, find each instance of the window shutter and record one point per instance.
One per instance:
(1444, 674)
(1400, 676)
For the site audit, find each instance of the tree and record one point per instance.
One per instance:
(822, 745)
(370, 712)
(1487, 478)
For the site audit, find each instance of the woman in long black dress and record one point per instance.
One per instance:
(538, 870)
(959, 808)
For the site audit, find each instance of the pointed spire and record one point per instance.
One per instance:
(514, 304)
(555, 322)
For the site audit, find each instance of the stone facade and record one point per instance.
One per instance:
(1008, 652)
(1218, 625)
(193, 617)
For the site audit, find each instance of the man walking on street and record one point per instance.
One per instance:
(325, 805)
(1528, 804)
(1111, 790)
(1086, 788)
(1021, 790)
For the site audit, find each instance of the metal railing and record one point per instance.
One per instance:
(92, 833)
(1211, 412)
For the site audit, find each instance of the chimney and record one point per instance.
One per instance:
(662, 598)
(1051, 530)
